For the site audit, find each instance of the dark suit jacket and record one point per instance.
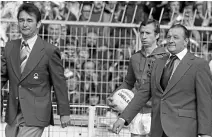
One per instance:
(33, 87)
(140, 66)
(61, 44)
(139, 70)
(184, 108)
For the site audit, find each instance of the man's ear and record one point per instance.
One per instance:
(186, 41)
(38, 24)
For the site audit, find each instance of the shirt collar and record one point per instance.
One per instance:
(181, 54)
(31, 41)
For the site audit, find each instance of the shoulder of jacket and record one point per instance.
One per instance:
(49, 48)
(138, 53)
(199, 60)
(162, 55)
(9, 44)
(160, 59)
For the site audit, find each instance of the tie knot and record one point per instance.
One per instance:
(24, 44)
(173, 57)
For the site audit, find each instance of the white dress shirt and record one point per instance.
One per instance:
(180, 56)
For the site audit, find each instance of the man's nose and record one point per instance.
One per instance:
(25, 23)
(171, 40)
(144, 36)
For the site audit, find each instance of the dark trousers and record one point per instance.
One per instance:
(164, 135)
(19, 129)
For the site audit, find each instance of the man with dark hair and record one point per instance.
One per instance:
(139, 69)
(32, 66)
(180, 87)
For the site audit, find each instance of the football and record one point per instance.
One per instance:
(121, 98)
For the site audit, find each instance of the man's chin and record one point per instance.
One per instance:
(26, 35)
(146, 45)
(171, 48)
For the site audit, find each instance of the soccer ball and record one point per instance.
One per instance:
(121, 98)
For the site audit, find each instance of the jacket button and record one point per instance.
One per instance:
(19, 86)
(16, 98)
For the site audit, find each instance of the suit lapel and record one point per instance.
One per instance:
(34, 57)
(179, 72)
(159, 71)
(15, 58)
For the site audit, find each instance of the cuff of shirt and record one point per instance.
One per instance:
(122, 119)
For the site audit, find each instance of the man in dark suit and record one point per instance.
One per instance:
(32, 67)
(139, 69)
(181, 101)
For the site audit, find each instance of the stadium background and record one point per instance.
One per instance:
(96, 40)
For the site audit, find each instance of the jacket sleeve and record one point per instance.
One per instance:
(129, 79)
(204, 99)
(139, 101)
(59, 83)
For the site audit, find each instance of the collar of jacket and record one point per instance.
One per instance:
(156, 51)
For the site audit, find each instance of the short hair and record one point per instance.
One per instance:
(186, 32)
(29, 8)
(151, 21)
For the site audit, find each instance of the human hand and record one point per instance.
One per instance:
(65, 121)
(110, 103)
(118, 125)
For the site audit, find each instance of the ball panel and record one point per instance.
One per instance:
(121, 98)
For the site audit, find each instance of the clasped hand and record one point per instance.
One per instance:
(65, 121)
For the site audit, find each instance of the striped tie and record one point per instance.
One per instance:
(24, 53)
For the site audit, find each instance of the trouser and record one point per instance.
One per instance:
(19, 129)
(164, 135)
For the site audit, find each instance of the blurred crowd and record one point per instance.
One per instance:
(95, 57)
(197, 13)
